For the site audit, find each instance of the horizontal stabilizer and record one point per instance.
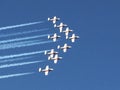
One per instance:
(48, 36)
(45, 52)
(40, 69)
(48, 19)
(58, 47)
(49, 58)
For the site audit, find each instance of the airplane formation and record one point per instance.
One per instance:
(52, 54)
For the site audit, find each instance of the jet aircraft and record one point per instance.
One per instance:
(51, 53)
(64, 48)
(46, 70)
(73, 37)
(67, 31)
(55, 58)
(60, 26)
(54, 37)
(54, 19)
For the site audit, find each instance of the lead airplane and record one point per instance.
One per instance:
(54, 19)
(64, 48)
(55, 58)
(67, 31)
(51, 53)
(73, 37)
(46, 70)
(60, 26)
(54, 37)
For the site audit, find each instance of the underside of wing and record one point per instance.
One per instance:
(73, 40)
(54, 21)
(60, 29)
(56, 56)
(51, 55)
(46, 73)
(65, 50)
(66, 33)
(54, 39)
(47, 67)
(55, 61)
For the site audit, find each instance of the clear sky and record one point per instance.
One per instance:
(93, 63)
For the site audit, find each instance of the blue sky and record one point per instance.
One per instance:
(91, 64)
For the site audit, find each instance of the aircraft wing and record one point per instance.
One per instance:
(56, 56)
(47, 67)
(46, 73)
(54, 21)
(51, 55)
(61, 29)
(66, 33)
(65, 50)
(54, 39)
(73, 40)
(55, 61)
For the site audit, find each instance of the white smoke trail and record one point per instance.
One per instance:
(20, 39)
(10, 45)
(20, 25)
(24, 44)
(15, 75)
(21, 33)
(21, 42)
(18, 64)
(22, 54)
(15, 59)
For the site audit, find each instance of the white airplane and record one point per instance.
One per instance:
(64, 48)
(51, 53)
(60, 26)
(46, 70)
(73, 37)
(55, 58)
(67, 31)
(54, 19)
(54, 37)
